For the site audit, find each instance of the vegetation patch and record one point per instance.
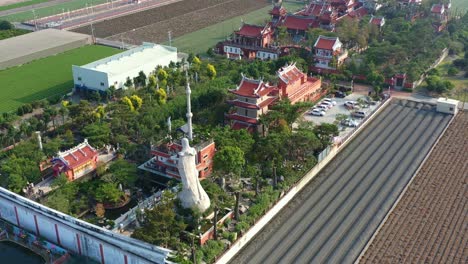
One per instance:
(45, 77)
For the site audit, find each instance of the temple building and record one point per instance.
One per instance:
(440, 13)
(250, 42)
(75, 162)
(254, 97)
(328, 54)
(296, 86)
(379, 22)
(166, 153)
(297, 26)
(277, 13)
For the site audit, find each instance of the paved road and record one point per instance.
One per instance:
(31, 7)
(332, 219)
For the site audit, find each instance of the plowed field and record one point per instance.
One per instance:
(430, 223)
(180, 18)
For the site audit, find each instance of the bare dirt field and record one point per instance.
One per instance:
(180, 18)
(429, 224)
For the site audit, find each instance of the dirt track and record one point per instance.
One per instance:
(430, 223)
(180, 18)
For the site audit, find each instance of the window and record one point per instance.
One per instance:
(451, 109)
(102, 84)
(246, 112)
(79, 78)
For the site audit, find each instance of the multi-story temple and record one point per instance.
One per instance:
(75, 162)
(250, 42)
(328, 54)
(254, 97)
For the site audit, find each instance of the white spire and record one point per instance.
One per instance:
(189, 109)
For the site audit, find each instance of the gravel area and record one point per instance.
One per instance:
(429, 224)
(332, 219)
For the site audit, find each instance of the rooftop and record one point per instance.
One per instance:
(289, 73)
(252, 88)
(437, 8)
(77, 155)
(298, 22)
(131, 59)
(328, 43)
(250, 30)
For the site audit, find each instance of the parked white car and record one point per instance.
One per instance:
(328, 104)
(359, 114)
(317, 112)
(351, 103)
(329, 100)
(322, 107)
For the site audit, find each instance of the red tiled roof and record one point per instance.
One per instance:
(76, 156)
(437, 8)
(242, 118)
(360, 12)
(250, 30)
(252, 88)
(325, 43)
(298, 23)
(315, 9)
(290, 73)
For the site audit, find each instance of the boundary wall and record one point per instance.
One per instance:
(75, 235)
(282, 202)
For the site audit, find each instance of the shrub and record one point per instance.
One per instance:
(5, 25)
(452, 71)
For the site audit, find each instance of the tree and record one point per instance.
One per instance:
(60, 181)
(98, 134)
(128, 83)
(126, 101)
(161, 226)
(123, 172)
(325, 132)
(162, 77)
(229, 160)
(108, 193)
(152, 81)
(5, 25)
(210, 71)
(137, 102)
(161, 96)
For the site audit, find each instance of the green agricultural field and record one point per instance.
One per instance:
(51, 10)
(460, 5)
(45, 77)
(199, 41)
(21, 4)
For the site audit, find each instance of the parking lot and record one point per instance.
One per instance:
(339, 108)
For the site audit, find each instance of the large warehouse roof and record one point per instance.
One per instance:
(37, 42)
(131, 59)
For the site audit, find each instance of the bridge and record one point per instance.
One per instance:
(75, 235)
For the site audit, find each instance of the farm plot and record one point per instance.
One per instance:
(180, 18)
(45, 77)
(429, 224)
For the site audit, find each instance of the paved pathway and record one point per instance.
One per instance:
(30, 7)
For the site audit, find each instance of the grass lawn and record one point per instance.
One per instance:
(461, 5)
(51, 10)
(21, 4)
(199, 41)
(45, 77)
(458, 80)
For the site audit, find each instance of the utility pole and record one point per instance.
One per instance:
(169, 34)
(236, 212)
(92, 32)
(275, 179)
(35, 19)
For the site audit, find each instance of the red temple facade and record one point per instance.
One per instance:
(250, 42)
(76, 162)
(328, 54)
(296, 86)
(166, 157)
(254, 97)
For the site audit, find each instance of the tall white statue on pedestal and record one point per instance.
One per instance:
(192, 194)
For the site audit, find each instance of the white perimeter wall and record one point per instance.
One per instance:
(75, 241)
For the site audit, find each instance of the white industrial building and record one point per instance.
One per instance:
(114, 70)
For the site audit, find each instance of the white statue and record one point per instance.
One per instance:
(192, 194)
